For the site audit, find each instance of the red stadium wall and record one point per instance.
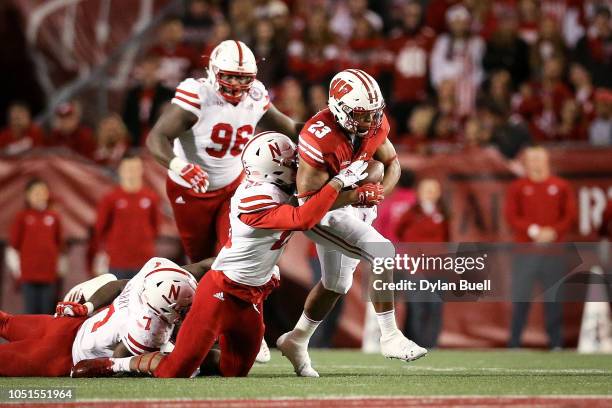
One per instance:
(474, 185)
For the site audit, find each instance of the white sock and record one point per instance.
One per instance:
(121, 365)
(305, 327)
(386, 321)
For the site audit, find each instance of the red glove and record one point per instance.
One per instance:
(191, 173)
(73, 309)
(370, 194)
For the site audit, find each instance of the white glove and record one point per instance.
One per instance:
(352, 174)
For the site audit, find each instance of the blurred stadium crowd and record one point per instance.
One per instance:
(455, 73)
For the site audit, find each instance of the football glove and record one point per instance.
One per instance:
(73, 309)
(370, 194)
(352, 174)
(191, 173)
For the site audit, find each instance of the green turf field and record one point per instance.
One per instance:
(351, 373)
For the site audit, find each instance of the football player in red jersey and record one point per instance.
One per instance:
(199, 139)
(353, 127)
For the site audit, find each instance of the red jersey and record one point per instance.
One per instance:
(550, 203)
(127, 226)
(37, 237)
(410, 64)
(415, 225)
(11, 144)
(325, 145)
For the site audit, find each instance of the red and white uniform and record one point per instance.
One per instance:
(229, 299)
(126, 320)
(345, 235)
(215, 143)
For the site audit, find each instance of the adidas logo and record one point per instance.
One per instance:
(180, 200)
(219, 295)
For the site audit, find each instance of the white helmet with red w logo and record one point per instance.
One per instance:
(356, 102)
(232, 59)
(169, 292)
(270, 157)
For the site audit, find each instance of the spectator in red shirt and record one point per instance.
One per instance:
(70, 132)
(594, 49)
(409, 47)
(177, 59)
(128, 221)
(144, 101)
(540, 208)
(35, 250)
(21, 134)
(424, 222)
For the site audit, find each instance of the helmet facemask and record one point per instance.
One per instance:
(361, 122)
(233, 85)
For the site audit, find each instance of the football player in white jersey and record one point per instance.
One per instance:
(139, 317)
(229, 300)
(200, 137)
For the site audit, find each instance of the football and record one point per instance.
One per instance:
(376, 172)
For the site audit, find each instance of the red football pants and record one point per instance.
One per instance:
(39, 345)
(216, 314)
(202, 219)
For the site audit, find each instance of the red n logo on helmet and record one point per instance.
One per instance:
(174, 292)
(339, 88)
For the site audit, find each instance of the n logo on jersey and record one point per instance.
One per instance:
(339, 88)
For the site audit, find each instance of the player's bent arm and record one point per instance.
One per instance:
(387, 155)
(310, 179)
(275, 120)
(198, 269)
(172, 123)
(288, 218)
(107, 293)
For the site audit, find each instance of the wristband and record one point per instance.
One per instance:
(177, 165)
(90, 308)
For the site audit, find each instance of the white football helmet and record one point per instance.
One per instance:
(232, 69)
(270, 157)
(169, 293)
(356, 102)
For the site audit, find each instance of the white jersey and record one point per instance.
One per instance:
(216, 141)
(251, 253)
(126, 320)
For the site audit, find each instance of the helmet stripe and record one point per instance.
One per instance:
(363, 81)
(239, 53)
(370, 80)
(166, 270)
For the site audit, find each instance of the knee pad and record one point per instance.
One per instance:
(339, 278)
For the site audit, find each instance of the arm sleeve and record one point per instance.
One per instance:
(310, 150)
(569, 212)
(187, 96)
(288, 218)
(517, 222)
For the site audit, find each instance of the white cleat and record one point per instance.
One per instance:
(398, 346)
(264, 353)
(297, 353)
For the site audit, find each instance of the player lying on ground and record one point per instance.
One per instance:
(229, 300)
(122, 318)
(353, 126)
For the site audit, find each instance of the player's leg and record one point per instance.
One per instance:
(241, 339)
(49, 355)
(23, 327)
(195, 220)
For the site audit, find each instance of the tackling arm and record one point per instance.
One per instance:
(310, 180)
(388, 157)
(277, 121)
